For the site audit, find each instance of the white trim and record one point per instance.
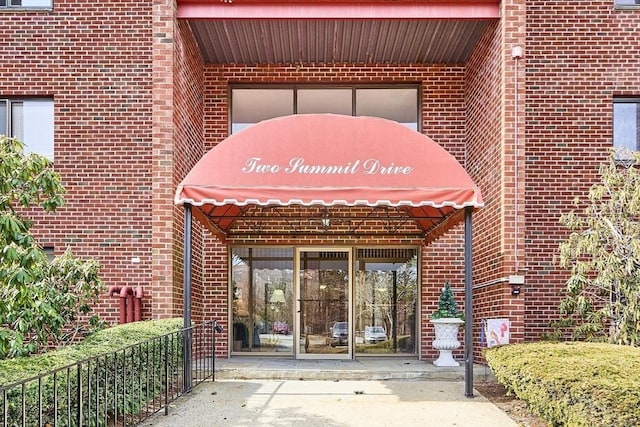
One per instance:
(359, 202)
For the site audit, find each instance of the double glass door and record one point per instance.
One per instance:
(324, 302)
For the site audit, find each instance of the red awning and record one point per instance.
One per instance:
(329, 160)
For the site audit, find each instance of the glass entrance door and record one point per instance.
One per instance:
(386, 290)
(324, 316)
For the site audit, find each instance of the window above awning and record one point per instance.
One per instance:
(326, 160)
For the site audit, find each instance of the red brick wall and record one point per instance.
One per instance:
(485, 161)
(145, 129)
(215, 289)
(495, 141)
(135, 108)
(188, 140)
(442, 261)
(443, 120)
(514, 103)
(94, 59)
(578, 58)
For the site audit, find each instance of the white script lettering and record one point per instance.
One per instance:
(373, 166)
(296, 165)
(253, 165)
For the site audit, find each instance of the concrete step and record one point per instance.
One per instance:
(392, 368)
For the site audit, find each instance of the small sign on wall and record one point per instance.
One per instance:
(497, 332)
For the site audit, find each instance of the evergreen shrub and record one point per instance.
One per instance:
(572, 383)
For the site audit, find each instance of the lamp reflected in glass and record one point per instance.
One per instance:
(277, 296)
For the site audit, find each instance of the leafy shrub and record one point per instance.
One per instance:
(41, 302)
(119, 377)
(572, 384)
(602, 252)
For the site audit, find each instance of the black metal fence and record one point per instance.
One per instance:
(120, 388)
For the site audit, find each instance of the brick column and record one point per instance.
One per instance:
(163, 162)
(513, 181)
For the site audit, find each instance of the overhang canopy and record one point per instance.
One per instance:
(330, 160)
(337, 31)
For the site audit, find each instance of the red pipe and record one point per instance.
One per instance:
(139, 293)
(130, 302)
(127, 293)
(129, 308)
(113, 290)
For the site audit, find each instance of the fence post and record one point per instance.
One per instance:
(79, 395)
(216, 328)
(213, 350)
(166, 374)
(187, 368)
(5, 408)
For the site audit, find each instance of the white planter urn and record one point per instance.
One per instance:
(446, 340)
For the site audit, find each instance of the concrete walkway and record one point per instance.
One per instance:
(366, 392)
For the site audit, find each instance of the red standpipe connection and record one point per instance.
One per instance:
(130, 311)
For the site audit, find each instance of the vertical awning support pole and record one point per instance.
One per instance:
(468, 305)
(187, 368)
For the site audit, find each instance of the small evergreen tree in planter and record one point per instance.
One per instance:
(446, 321)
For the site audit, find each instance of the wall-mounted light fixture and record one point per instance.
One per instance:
(516, 52)
(516, 281)
(325, 220)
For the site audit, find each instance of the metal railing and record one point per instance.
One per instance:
(120, 388)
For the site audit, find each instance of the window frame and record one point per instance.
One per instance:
(618, 5)
(49, 252)
(8, 120)
(7, 5)
(624, 100)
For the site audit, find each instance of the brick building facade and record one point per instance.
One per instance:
(141, 91)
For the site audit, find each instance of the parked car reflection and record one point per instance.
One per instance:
(374, 334)
(339, 334)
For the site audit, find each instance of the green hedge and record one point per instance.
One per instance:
(104, 341)
(572, 384)
(114, 376)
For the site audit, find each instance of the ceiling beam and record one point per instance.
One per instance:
(238, 9)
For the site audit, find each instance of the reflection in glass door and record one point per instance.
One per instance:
(262, 300)
(385, 301)
(323, 304)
